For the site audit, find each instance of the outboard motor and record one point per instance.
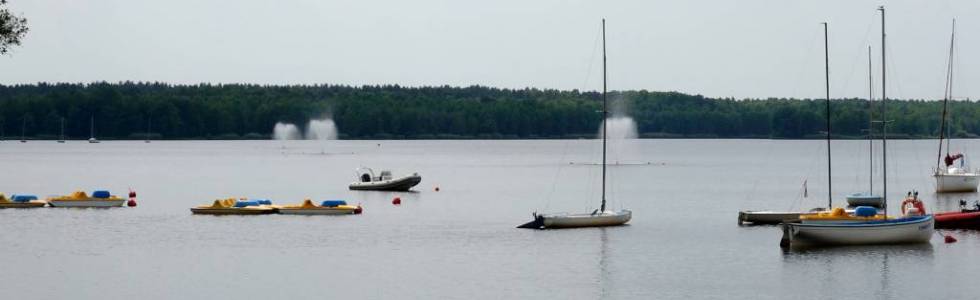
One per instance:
(365, 177)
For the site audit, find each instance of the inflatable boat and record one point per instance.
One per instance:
(384, 182)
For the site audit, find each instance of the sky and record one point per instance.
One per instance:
(716, 48)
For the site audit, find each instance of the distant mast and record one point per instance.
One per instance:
(884, 121)
(604, 117)
(826, 59)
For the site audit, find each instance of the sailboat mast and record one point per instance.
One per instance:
(826, 59)
(92, 128)
(949, 89)
(871, 126)
(62, 129)
(604, 117)
(946, 95)
(884, 121)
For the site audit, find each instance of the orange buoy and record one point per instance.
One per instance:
(396, 201)
(437, 189)
(358, 210)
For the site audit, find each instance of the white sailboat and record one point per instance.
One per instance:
(598, 217)
(914, 227)
(868, 198)
(92, 138)
(949, 177)
(777, 217)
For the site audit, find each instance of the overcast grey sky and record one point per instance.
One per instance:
(744, 48)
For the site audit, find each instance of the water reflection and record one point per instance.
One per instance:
(605, 284)
(836, 269)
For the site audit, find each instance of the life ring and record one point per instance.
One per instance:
(921, 207)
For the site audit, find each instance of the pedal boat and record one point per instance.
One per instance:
(21, 201)
(99, 199)
(328, 207)
(230, 206)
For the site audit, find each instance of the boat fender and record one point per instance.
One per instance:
(865, 211)
(916, 205)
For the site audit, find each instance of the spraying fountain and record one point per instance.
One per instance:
(285, 131)
(323, 129)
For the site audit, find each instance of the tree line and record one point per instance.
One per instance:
(128, 110)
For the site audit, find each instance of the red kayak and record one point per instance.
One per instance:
(958, 220)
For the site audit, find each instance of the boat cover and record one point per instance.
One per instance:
(23, 198)
(246, 203)
(264, 201)
(333, 203)
(865, 211)
(102, 194)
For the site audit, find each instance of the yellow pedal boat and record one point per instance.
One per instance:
(230, 206)
(840, 215)
(328, 207)
(80, 199)
(20, 201)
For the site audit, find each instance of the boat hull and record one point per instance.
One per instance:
(954, 183)
(769, 217)
(958, 220)
(865, 199)
(88, 203)
(317, 211)
(232, 211)
(398, 184)
(910, 230)
(598, 219)
(30, 204)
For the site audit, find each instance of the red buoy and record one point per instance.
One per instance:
(437, 189)
(131, 202)
(396, 201)
(358, 210)
(132, 194)
(949, 239)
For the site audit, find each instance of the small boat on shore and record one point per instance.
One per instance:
(327, 207)
(367, 181)
(98, 199)
(21, 201)
(231, 206)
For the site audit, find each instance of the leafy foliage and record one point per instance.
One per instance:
(12, 28)
(230, 111)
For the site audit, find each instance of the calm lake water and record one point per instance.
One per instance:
(460, 242)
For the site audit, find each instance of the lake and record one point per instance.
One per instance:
(461, 242)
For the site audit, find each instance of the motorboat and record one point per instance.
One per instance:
(384, 182)
(599, 217)
(21, 201)
(232, 206)
(327, 207)
(100, 198)
(965, 218)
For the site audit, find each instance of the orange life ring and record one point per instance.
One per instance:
(915, 203)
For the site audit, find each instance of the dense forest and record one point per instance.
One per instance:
(129, 110)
